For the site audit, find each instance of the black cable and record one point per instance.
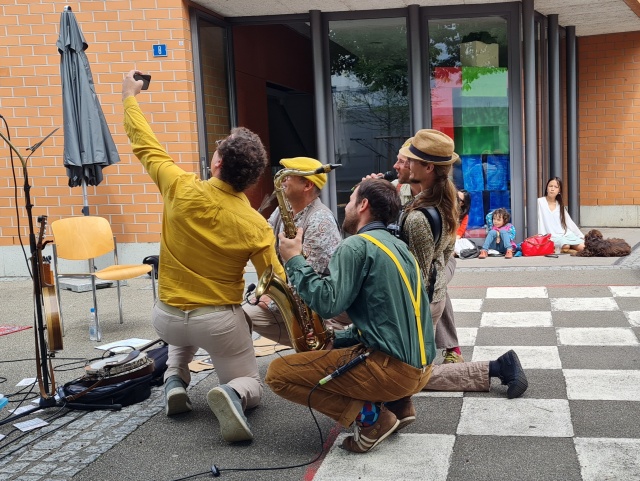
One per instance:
(39, 437)
(216, 472)
(15, 196)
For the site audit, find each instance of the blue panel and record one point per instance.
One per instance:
(497, 172)
(476, 213)
(472, 172)
(499, 198)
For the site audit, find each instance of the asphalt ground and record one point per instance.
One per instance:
(141, 443)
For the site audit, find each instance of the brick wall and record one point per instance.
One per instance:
(609, 119)
(120, 35)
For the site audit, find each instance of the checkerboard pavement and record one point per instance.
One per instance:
(579, 420)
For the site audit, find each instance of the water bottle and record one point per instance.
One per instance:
(93, 336)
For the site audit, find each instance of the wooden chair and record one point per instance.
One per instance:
(86, 238)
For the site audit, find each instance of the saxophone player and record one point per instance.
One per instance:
(321, 237)
(200, 279)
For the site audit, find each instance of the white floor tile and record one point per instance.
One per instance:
(531, 357)
(634, 317)
(606, 458)
(466, 305)
(400, 457)
(625, 291)
(602, 385)
(467, 335)
(439, 394)
(584, 304)
(515, 417)
(517, 319)
(596, 336)
(517, 293)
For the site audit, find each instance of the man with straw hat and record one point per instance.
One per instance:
(442, 312)
(431, 155)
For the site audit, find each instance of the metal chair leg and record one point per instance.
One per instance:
(120, 302)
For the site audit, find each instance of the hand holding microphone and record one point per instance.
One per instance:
(389, 175)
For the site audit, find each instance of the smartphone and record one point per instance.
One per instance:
(145, 80)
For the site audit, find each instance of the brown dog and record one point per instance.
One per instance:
(596, 246)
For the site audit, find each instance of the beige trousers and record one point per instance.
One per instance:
(223, 333)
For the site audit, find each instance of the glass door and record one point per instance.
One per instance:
(468, 66)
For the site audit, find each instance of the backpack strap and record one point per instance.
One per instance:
(435, 221)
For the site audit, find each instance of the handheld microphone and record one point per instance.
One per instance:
(341, 370)
(390, 175)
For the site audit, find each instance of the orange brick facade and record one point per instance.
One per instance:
(609, 119)
(121, 34)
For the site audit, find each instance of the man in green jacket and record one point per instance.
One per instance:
(374, 277)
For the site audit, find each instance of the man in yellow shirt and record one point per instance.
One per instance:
(209, 233)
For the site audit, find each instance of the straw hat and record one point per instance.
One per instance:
(431, 146)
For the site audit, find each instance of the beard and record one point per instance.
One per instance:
(350, 224)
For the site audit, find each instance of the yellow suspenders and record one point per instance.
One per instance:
(415, 300)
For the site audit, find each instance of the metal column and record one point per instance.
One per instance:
(415, 69)
(555, 121)
(324, 136)
(530, 118)
(573, 176)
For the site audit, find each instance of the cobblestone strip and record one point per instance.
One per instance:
(66, 451)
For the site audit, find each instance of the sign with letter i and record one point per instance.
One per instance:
(160, 50)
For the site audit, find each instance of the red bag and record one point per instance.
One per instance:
(538, 245)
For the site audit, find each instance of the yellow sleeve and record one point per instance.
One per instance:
(146, 147)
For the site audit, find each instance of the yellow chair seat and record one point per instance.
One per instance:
(120, 272)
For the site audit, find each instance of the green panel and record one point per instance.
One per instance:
(482, 140)
(484, 82)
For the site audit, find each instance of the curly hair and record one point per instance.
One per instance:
(383, 198)
(244, 159)
(503, 214)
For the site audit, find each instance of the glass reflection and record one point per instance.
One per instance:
(468, 60)
(369, 81)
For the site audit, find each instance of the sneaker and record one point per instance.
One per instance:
(366, 438)
(452, 357)
(508, 254)
(227, 406)
(175, 396)
(483, 254)
(404, 411)
(512, 375)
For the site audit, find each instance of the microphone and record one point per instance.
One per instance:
(250, 288)
(390, 175)
(341, 370)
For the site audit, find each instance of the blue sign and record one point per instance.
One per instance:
(160, 50)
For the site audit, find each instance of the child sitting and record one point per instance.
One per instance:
(501, 235)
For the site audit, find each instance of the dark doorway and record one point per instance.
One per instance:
(274, 92)
(291, 123)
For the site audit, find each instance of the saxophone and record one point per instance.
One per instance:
(306, 328)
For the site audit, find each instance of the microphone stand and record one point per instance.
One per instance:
(47, 398)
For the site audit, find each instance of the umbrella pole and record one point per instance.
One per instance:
(85, 201)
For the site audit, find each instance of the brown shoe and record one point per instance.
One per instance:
(483, 254)
(367, 438)
(404, 411)
(508, 254)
